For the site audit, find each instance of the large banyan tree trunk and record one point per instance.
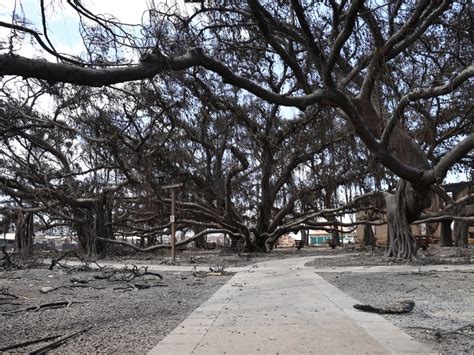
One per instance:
(304, 236)
(403, 208)
(100, 226)
(261, 245)
(408, 201)
(85, 232)
(461, 234)
(369, 237)
(335, 238)
(461, 228)
(93, 223)
(201, 242)
(24, 233)
(402, 244)
(446, 234)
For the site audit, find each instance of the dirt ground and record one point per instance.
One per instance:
(117, 314)
(443, 302)
(219, 257)
(443, 314)
(126, 317)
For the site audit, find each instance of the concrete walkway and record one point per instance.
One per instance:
(282, 307)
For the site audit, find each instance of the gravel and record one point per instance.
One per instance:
(443, 302)
(124, 320)
(219, 257)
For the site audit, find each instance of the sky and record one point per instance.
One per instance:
(63, 24)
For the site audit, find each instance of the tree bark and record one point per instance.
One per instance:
(446, 235)
(305, 236)
(24, 233)
(461, 228)
(201, 242)
(100, 227)
(460, 234)
(335, 238)
(369, 237)
(86, 232)
(402, 208)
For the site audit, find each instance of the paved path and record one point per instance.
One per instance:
(282, 307)
(300, 261)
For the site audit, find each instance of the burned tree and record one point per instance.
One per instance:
(24, 232)
(393, 71)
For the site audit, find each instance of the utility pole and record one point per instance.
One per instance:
(173, 188)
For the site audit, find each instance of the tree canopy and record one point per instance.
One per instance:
(266, 109)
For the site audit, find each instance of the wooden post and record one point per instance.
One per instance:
(173, 225)
(173, 217)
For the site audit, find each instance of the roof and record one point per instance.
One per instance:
(457, 186)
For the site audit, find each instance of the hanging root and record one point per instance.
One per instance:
(402, 242)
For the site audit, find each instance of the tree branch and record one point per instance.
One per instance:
(424, 93)
(438, 173)
(150, 66)
(343, 36)
(166, 246)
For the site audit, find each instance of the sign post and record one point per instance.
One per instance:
(173, 188)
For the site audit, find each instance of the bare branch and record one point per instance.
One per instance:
(343, 36)
(166, 246)
(424, 93)
(40, 42)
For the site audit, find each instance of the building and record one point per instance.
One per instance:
(322, 237)
(285, 241)
(41, 242)
(456, 191)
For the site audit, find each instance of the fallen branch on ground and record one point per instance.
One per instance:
(85, 263)
(438, 333)
(138, 286)
(127, 274)
(125, 288)
(52, 289)
(51, 305)
(414, 288)
(405, 306)
(59, 342)
(28, 343)
(218, 270)
(56, 261)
